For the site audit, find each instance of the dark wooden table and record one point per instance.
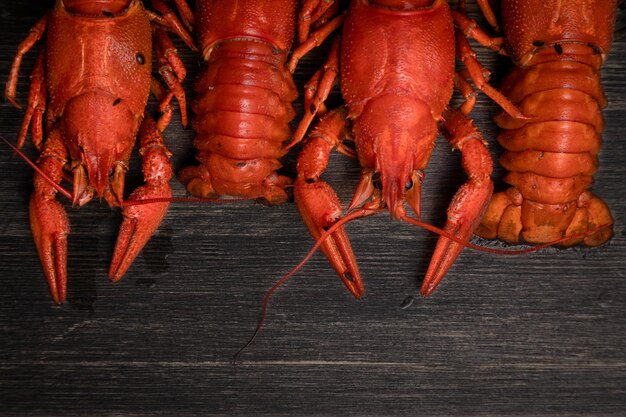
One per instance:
(541, 334)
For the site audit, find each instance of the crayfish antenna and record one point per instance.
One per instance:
(318, 243)
(495, 251)
(129, 202)
(34, 166)
(366, 212)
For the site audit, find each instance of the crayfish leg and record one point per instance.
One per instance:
(48, 220)
(36, 33)
(316, 91)
(173, 73)
(314, 40)
(36, 106)
(141, 220)
(470, 201)
(318, 203)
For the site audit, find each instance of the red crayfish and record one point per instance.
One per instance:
(396, 62)
(244, 94)
(88, 94)
(558, 48)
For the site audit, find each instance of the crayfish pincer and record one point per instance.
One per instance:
(88, 93)
(396, 62)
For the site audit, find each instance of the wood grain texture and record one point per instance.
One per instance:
(541, 334)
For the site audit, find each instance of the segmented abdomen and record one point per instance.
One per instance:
(553, 155)
(243, 108)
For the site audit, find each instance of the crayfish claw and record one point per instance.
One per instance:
(470, 201)
(147, 205)
(320, 209)
(140, 222)
(50, 227)
(464, 215)
(338, 250)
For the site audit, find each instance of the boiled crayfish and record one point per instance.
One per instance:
(397, 72)
(88, 93)
(244, 95)
(558, 48)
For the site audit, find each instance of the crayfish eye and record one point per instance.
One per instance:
(558, 48)
(376, 180)
(140, 58)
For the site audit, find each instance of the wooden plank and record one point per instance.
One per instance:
(541, 334)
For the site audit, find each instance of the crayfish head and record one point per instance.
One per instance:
(99, 140)
(395, 135)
